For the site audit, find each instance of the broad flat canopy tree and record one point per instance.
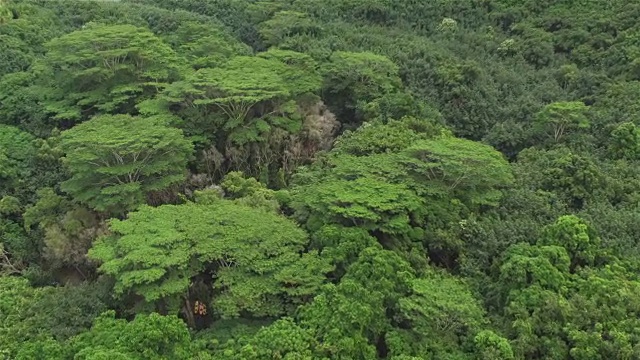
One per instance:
(241, 84)
(471, 170)
(106, 69)
(253, 94)
(391, 192)
(299, 71)
(116, 160)
(252, 254)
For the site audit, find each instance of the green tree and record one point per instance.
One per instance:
(391, 137)
(601, 325)
(533, 280)
(16, 54)
(490, 346)
(300, 72)
(473, 171)
(253, 94)
(625, 141)
(252, 254)
(283, 339)
(558, 118)
(21, 103)
(16, 155)
(106, 69)
(349, 319)
(65, 311)
(577, 237)
(402, 197)
(352, 80)
(5, 12)
(249, 191)
(116, 161)
(574, 176)
(366, 202)
(150, 336)
(285, 24)
(205, 46)
(15, 300)
(251, 114)
(442, 315)
(341, 245)
(67, 228)
(525, 265)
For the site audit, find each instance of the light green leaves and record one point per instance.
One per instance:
(253, 255)
(116, 161)
(576, 236)
(106, 69)
(560, 117)
(146, 337)
(473, 170)
(254, 95)
(441, 312)
(365, 202)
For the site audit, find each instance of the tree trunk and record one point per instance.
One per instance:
(188, 313)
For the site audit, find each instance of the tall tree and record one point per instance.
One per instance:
(439, 317)
(253, 94)
(473, 171)
(117, 160)
(558, 118)
(250, 256)
(352, 80)
(106, 69)
(625, 141)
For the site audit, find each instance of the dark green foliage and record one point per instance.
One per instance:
(205, 46)
(16, 156)
(574, 177)
(319, 179)
(352, 80)
(16, 55)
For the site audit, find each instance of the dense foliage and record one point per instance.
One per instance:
(306, 179)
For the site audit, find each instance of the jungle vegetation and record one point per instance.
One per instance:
(320, 179)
